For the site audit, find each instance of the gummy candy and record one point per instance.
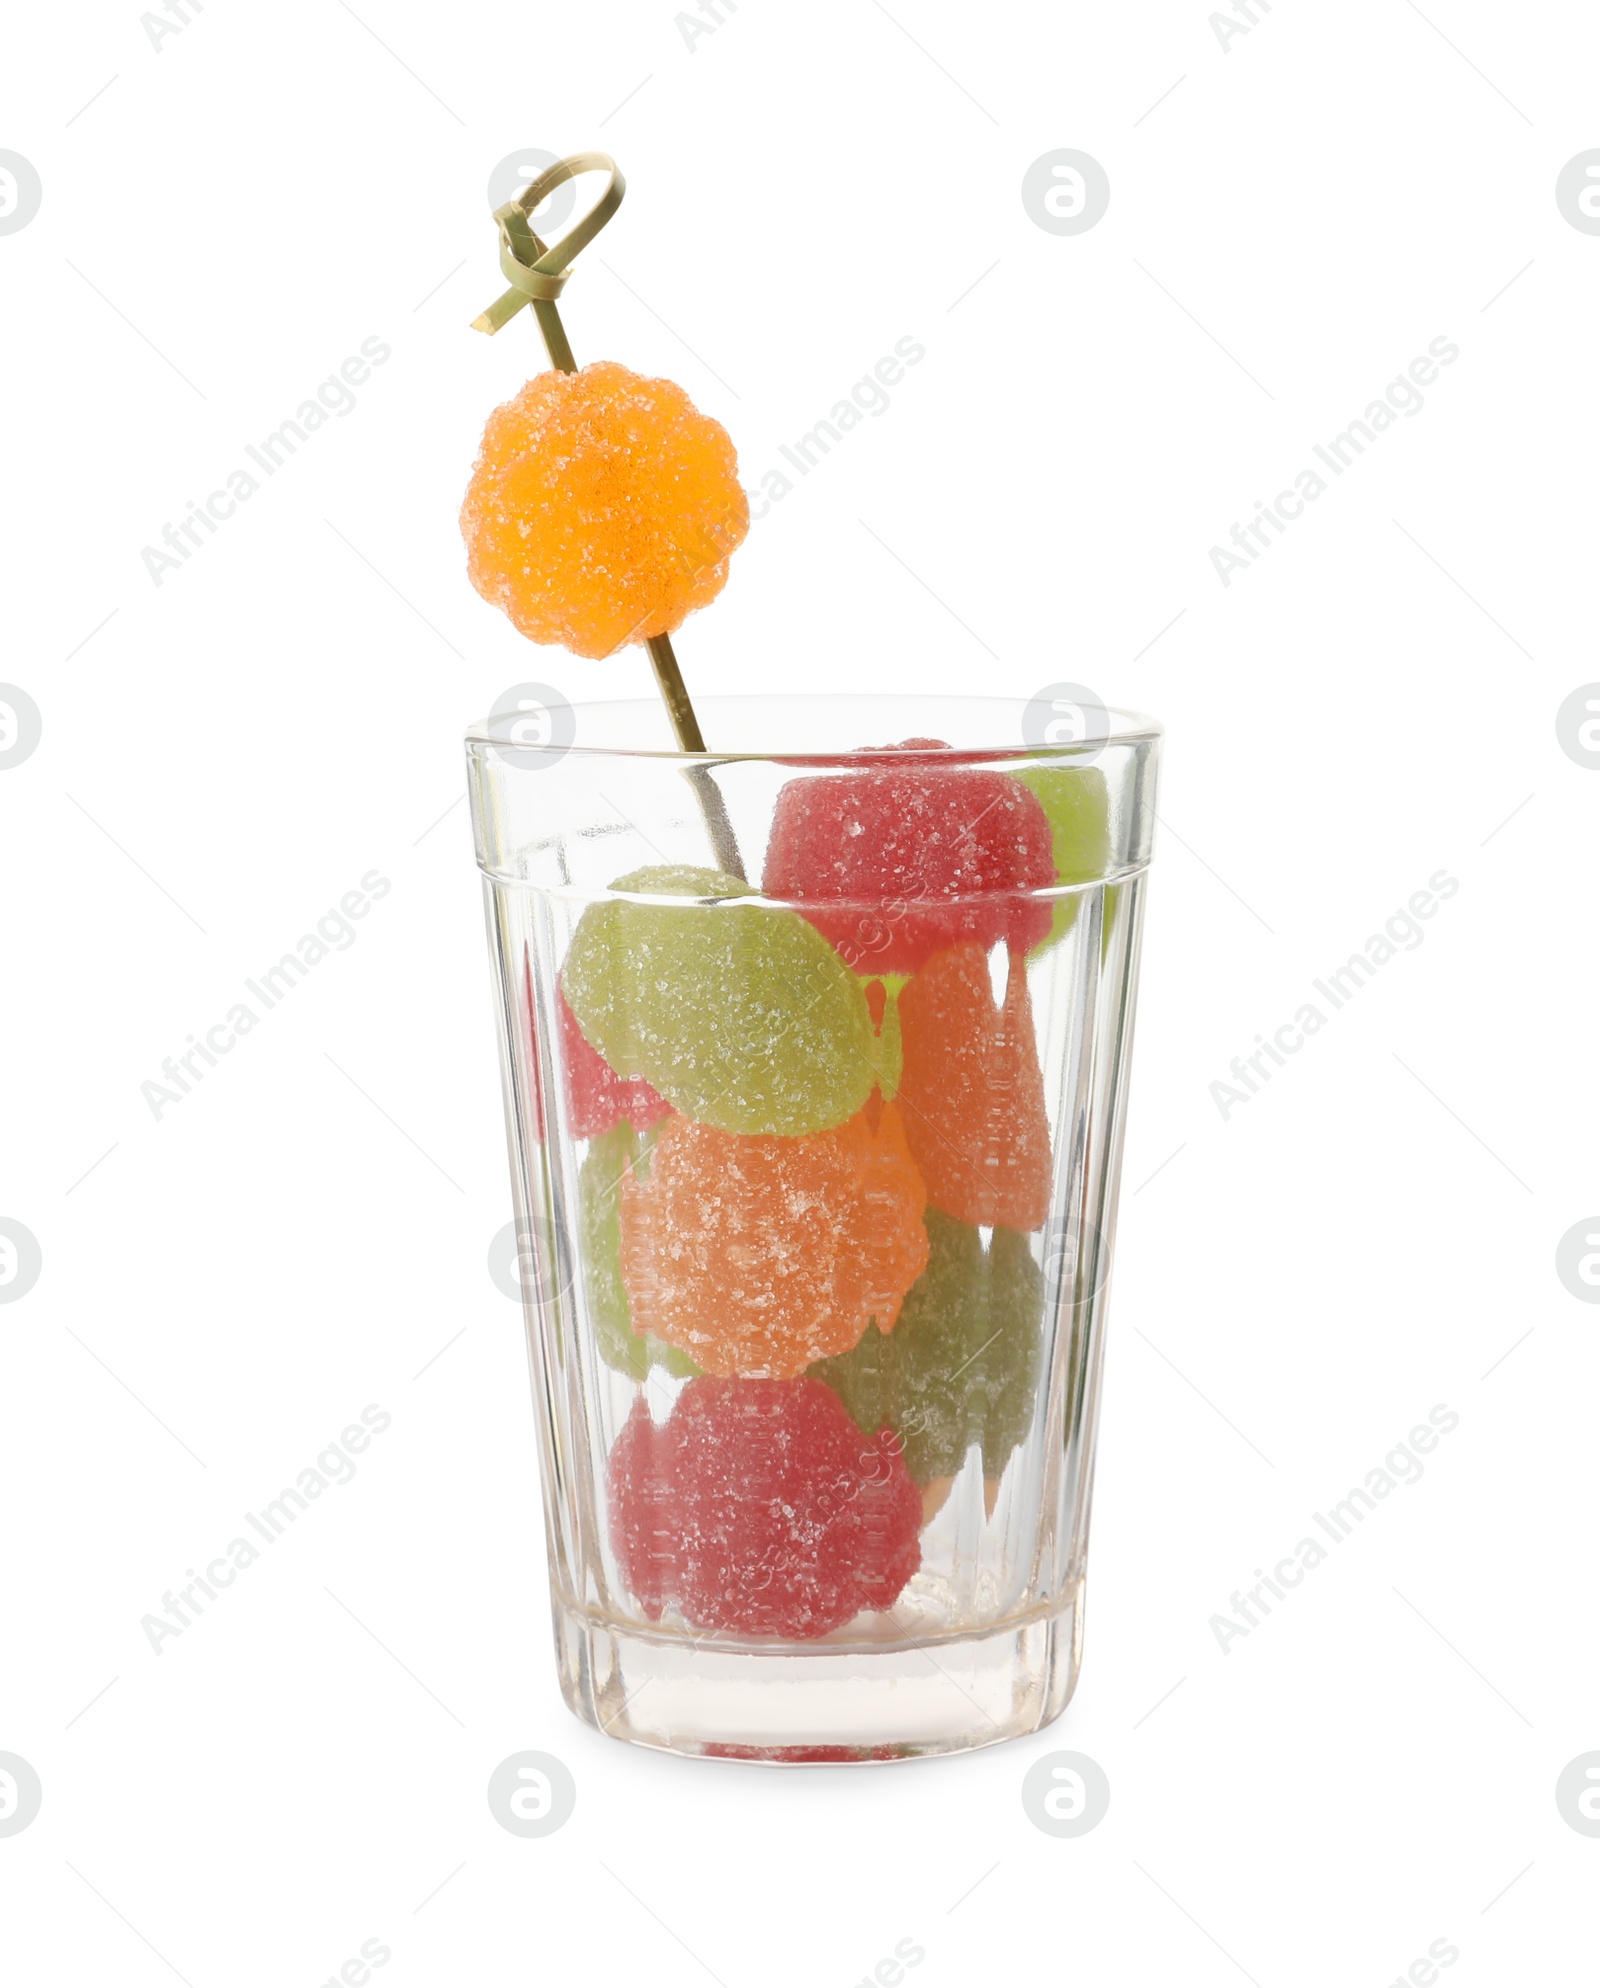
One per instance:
(1076, 805)
(646, 1519)
(597, 1098)
(972, 1094)
(600, 1178)
(602, 509)
(916, 856)
(761, 1509)
(758, 1255)
(743, 1018)
(962, 1365)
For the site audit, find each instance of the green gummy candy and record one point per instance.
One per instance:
(1076, 805)
(962, 1363)
(600, 1252)
(744, 1018)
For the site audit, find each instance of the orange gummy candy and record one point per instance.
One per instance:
(972, 1093)
(603, 508)
(756, 1255)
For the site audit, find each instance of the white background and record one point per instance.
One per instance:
(225, 755)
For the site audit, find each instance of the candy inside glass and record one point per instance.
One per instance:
(815, 1170)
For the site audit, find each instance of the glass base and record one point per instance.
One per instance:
(852, 1703)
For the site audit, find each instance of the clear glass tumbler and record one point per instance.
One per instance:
(815, 1059)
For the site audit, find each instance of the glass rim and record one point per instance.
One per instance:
(1122, 727)
(754, 899)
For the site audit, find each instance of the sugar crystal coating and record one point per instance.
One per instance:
(598, 1100)
(962, 1365)
(602, 508)
(972, 1093)
(899, 861)
(645, 1519)
(609, 1161)
(757, 1255)
(743, 1017)
(761, 1509)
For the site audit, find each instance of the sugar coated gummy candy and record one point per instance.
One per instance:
(962, 1364)
(602, 508)
(743, 1017)
(1076, 805)
(598, 1099)
(645, 1520)
(899, 861)
(972, 1094)
(608, 1162)
(761, 1509)
(757, 1255)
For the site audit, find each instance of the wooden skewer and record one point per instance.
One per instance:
(537, 276)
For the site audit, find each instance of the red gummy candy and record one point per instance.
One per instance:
(598, 1100)
(972, 1094)
(644, 1517)
(915, 855)
(761, 1510)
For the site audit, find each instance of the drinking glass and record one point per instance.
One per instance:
(882, 1553)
